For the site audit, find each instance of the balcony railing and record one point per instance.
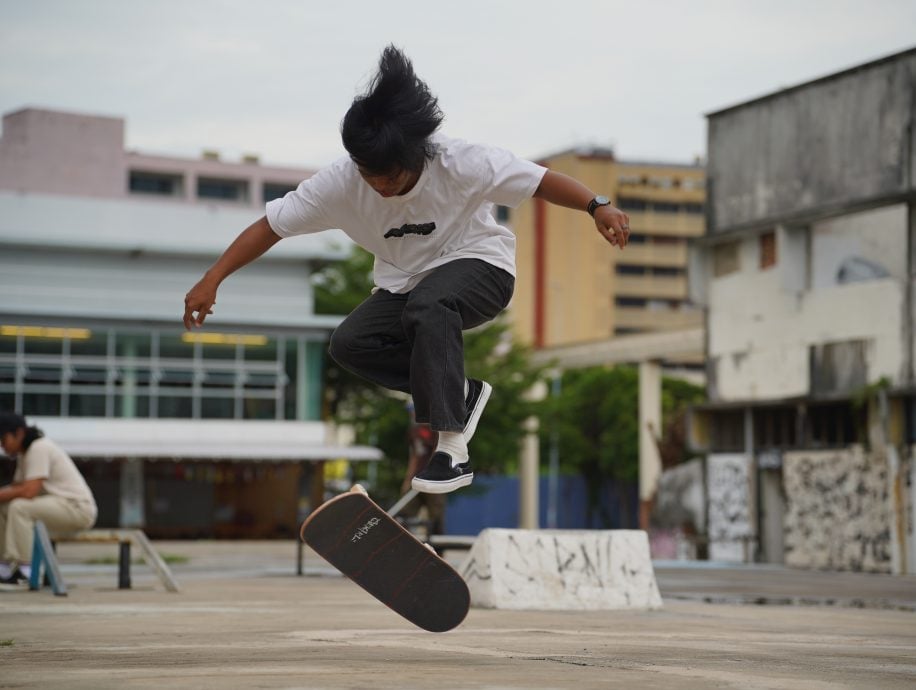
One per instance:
(656, 319)
(650, 254)
(652, 287)
(654, 222)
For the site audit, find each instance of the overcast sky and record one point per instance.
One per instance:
(274, 77)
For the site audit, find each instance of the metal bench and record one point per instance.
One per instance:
(445, 542)
(43, 554)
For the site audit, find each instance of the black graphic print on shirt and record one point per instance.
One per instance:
(410, 229)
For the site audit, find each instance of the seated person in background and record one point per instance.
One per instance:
(46, 486)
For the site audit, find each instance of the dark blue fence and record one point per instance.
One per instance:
(493, 501)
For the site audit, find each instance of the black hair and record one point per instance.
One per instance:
(12, 422)
(388, 127)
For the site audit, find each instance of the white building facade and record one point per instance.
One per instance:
(98, 247)
(807, 273)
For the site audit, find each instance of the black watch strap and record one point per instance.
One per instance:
(595, 203)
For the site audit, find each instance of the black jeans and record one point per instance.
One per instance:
(412, 342)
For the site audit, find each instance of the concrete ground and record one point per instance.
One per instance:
(244, 620)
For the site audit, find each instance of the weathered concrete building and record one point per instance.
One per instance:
(806, 272)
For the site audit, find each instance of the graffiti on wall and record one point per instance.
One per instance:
(731, 529)
(839, 511)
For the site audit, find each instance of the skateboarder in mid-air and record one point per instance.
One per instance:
(422, 204)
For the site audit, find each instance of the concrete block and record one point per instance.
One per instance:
(561, 569)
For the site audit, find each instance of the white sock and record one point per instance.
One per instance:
(452, 442)
(26, 570)
(467, 387)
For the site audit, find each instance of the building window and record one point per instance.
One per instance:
(630, 270)
(726, 431)
(775, 428)
(632, 302)
(661, 182)
(767, 249)
(834, 425)
(107, 373)
(667, 271)
(626, 203)
(693, 208)
(726, 258)
(158, 184)
(637, 238)
(276, 190)
(665, 207)
(227, 190)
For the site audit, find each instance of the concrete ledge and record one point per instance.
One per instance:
(561, 569)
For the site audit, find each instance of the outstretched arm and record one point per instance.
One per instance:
(563, 190)
(256, 239)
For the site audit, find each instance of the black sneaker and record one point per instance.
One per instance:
(478, 395)
(439, 477)
(14, 578)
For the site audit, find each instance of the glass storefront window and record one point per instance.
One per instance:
(174, 407)
(74, 370)
(42, 374)
(176, 377)
(260, 409)
(260, 380)
(43, 346)
(219, 351)
(41, 404)
(262, 353)
(289, 392)
(96, 345)
(87, 405)
(217, 408)
(130, 406)
(220, 379)
(172, 346)
(87, 375)
(133, 345)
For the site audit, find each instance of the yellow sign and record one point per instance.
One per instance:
(46, 332)
(224, 339)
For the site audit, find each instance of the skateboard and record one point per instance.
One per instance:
(358, 538)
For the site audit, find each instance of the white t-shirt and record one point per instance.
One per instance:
(448, 214)
(46, 460)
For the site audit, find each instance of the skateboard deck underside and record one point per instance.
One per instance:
(358, 538)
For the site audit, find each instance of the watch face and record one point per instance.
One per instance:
(601, 201)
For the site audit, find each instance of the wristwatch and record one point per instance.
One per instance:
(595, 203)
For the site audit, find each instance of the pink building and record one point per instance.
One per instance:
(53, 152)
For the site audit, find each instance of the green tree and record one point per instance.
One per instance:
(595, 422)
(341, 286)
